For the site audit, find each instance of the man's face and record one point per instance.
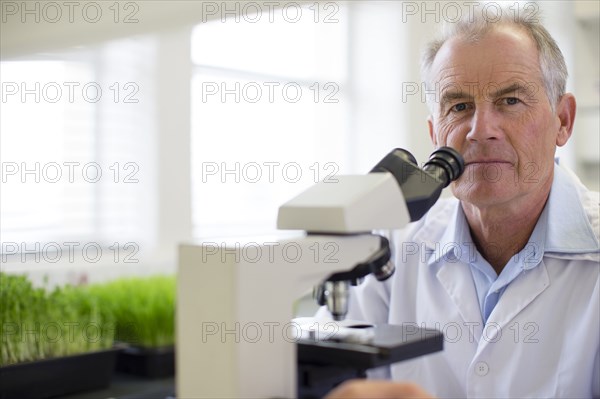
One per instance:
(492, 107)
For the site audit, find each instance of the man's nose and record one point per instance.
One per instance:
(485, 125)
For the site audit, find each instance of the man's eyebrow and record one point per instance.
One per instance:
(514, 87)
(452, 95)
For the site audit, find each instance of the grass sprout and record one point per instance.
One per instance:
(143, 309)
(39, 324)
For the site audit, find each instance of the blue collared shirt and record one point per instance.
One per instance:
(488, 284)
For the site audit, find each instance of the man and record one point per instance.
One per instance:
(510, 271)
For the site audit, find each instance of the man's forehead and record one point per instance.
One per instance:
(462, 78)
(496, 72)
(496, 54)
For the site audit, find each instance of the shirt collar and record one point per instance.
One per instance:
(455, 244)
(569, 230)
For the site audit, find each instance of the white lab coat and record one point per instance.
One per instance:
(541, 340)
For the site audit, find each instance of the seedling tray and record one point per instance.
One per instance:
(59, 376)
(147, 362)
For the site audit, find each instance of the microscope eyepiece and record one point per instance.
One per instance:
(422, 187)
(446, 164)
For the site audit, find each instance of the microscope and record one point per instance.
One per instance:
(235, 332)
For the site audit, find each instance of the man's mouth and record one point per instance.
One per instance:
(486, 161)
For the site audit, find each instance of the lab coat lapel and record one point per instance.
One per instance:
(457, 281)
(518, 295)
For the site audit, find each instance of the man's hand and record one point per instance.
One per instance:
(363, 389)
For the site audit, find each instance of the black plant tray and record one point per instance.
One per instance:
(58, 376)
(147, 362)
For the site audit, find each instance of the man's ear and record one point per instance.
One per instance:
(432, 135)
(565, 110)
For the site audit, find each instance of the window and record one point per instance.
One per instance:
(269, 114)
(75, 151)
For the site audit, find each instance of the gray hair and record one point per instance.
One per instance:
(474, 26)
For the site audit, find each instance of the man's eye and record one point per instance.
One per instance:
(511, 100)
(459, 107)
